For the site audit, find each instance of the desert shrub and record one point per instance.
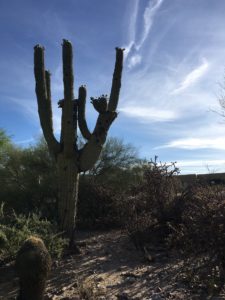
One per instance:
(97, 206)
(201, 234)
(15, 228)
(203, 218)
(149, 207)
(161, 187)
(191, 222)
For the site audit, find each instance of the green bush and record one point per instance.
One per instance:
(14, 229)
(3, 239)
(28, 180)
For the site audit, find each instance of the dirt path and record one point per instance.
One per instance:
(109, 267)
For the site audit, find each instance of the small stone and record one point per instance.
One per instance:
(130, 280)
(156, 297)
(99, 279)
(73, 298)
(122, 296)
(55, 264)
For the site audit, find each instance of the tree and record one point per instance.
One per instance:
(5, 144)
(27, 179)
(69, 159)
(115, 155)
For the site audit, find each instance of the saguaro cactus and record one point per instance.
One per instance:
(69, 159)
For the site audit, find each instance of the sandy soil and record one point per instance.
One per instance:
(109, 267)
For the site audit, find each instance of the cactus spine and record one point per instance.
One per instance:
(69, 159)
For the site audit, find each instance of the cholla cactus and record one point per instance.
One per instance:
(69, 159)
(33, 264)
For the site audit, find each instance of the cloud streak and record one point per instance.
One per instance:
(149, 15)
(147, 20)
(134, 60)
(29, 109)
(191, 163)
(27, 141)
(131, 29)
(196, 143)
(202, 166)
(148, 114)
(192, 77)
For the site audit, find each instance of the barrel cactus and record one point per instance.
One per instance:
(33, 264)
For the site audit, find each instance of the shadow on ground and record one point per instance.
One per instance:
(109, 267)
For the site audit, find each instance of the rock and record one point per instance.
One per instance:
(129, 280)
(73, 298)
(122, 296)
(55, 264)
(129, 274)
(99, 279)
(156, 297)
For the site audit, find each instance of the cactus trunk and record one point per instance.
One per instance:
(68, 179)
(69, 159)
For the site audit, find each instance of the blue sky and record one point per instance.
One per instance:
(174, 62)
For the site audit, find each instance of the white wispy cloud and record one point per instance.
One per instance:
(203, 166)
(57, 81)
(148, 19)
(26, 141)
(134, 60)
(131, 29)
(148, 114)
(133, 20)
(202, 162)
(192, 77)
(196, 143)
(28, 107)
(149, 15)
(25, 105)
(127, 51)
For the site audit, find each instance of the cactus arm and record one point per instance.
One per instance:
(89, 154)
(102, 126)
(48, 84)
(116, 81)
(43, 93)
(69, 128)
(81, 113)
